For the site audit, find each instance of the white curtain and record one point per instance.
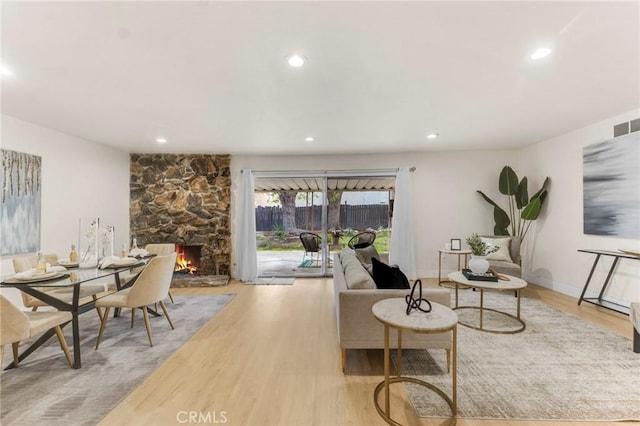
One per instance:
(402, 250)
(246, 230)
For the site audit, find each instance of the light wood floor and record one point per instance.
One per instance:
(270, 357)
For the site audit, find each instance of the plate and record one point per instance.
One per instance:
(68, 264)
(44, 277)
(125, 262)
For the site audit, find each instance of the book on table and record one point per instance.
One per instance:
(473, 276)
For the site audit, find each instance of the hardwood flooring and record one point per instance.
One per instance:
(271, 357)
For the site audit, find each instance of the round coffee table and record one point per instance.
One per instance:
(510, 284)
(392, 313)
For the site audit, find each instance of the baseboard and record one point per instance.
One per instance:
(567, 289)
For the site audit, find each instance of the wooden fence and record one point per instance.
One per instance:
(358, 217)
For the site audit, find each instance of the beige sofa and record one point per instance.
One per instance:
(359, 329)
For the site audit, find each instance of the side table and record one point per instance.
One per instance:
(459, 253)
(392, 314)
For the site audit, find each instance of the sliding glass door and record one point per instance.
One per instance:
(302, 219)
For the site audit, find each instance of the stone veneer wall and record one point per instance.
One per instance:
(183, 199)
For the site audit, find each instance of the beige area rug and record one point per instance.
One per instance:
(43, 390)
(558, 368)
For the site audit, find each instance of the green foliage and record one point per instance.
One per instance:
(479, 247)
(522, 210)
(279, 232)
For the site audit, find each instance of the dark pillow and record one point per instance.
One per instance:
(388, 277)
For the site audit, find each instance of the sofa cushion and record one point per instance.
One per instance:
(355, 275)
(365, 254)
(388, 277)
(503, 248)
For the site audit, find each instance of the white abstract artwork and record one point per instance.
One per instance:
(21, 202)
(611, 187)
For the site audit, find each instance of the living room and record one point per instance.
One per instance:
(84, 176)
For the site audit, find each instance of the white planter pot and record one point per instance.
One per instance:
(479, 264)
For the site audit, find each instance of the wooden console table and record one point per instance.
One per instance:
(599, 300)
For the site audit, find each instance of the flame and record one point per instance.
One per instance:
(182, 264)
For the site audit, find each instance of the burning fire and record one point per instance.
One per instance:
(184, 265)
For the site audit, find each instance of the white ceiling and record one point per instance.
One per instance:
(211, 76)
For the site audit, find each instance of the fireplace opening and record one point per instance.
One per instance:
(187, 259)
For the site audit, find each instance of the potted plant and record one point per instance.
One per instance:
(479, 252)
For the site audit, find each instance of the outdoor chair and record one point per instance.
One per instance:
(362, 240)
(312, 244)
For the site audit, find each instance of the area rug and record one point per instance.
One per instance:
(274, 281)
(44, 390)
(558, 368)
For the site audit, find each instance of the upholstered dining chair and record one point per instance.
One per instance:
(24, 263)
(157, 249)
(17, 325)
(151, 286)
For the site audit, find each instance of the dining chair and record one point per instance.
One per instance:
(24, 263)
(157, 249)
(151, 286)
(17, 325)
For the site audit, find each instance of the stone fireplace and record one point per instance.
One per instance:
(188, 260)
(185, 200)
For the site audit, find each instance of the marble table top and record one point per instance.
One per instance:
(393, 313)
(514, 283)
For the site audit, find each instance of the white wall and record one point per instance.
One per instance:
(553, 260)
(445, 202)
(79, 179)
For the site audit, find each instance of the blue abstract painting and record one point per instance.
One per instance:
(21, 201)
(611, 187)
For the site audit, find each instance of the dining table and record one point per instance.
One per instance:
(84, 283)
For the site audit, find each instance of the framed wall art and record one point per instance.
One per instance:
(21, 203)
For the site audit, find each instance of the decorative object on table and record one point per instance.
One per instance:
(479, 251)
(107, 242)
(456, 244)
(89, 242)
(21, 203)
(413, 303)
(473, 276)
(522, 209)
(611, 187)
(73, 254)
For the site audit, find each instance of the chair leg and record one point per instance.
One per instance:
(14, 348)
(344, 359)
(133, 311)
(166, 314)
(448, 359)
(35, 308)
(98, 310)
(105, 317)
(171, 298)
(63, 344)
(145, 314)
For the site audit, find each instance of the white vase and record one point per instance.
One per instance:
(478, 264)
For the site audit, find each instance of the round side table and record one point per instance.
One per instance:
(392, 314)
(459, 253)
(510, 284)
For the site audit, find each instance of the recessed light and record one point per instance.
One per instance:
(296, 61)
(5, 71)
(433, 135)
(309, 139)
(541, 53)
(161, 140)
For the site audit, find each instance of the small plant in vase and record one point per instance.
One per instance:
(479, 251)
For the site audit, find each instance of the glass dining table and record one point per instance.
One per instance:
(83, 283)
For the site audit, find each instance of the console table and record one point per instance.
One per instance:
(599, 300)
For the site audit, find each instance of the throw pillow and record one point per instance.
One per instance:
(388, 277)
(503, 248)
(365, 254)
